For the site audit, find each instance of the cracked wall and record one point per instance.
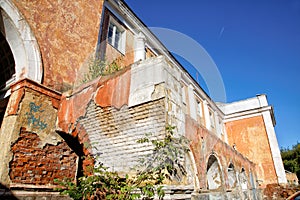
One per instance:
(28, 138)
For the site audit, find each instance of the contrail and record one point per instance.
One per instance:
(221, 32)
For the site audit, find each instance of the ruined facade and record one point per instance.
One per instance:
(52, 115)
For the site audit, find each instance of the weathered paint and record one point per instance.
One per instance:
(32, 107)
(115, 91)
(250, 139)
(204, 144)
(66, 32)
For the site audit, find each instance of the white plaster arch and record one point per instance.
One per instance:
(23, 44)
(194, 170)
(243, 179)
(231, 176)
(214, 172)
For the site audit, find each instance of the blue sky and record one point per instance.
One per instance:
(254, 43)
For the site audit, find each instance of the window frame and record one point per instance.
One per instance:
(117, 28)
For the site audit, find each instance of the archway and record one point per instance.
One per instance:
(243, 179)
(213, 173)
(23, 46)
(231, 176)
(7, 71)
(19, 52)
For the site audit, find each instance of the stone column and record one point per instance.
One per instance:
(139, 50)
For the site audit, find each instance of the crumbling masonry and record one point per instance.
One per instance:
(51, 118)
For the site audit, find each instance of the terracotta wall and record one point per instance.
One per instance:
(67, 33)
(250, 138)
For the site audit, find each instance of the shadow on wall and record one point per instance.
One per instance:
(6, 194)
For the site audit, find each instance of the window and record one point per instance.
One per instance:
(212, 119)
(200, 115)
(199, 108)
(116, 36)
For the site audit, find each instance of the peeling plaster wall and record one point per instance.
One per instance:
(155, 78)
(114, 132)
(32, 108)
(251, 121)
(204, 144)
(112, 123)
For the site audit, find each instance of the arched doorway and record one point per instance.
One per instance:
(213, 174)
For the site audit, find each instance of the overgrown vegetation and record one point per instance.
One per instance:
(291, 159)
(164, 163)
(98, 67)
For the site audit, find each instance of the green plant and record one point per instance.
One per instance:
(111, 68)
(163, 163)
(165, 160)
(291, 159)
(98, 67)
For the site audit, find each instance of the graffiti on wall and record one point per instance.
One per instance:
(33, 117)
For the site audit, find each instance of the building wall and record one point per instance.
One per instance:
(204, 144)
(117, 110)
(111, 53)
(32, 152)
(66, 33)
(250, 138)
(107, 115)
(35, 165)
(114, 132)
(292, 178)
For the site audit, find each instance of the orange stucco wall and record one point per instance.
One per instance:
(250, 138)
(67, 33)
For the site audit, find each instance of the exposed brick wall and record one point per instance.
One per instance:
(32, 164)
(114, 132)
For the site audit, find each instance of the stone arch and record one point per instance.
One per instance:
(192, 171)
(213, 173)
(23, 44)
(243, 179)
(231, 174)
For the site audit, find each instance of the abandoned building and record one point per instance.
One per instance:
(47, 101)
